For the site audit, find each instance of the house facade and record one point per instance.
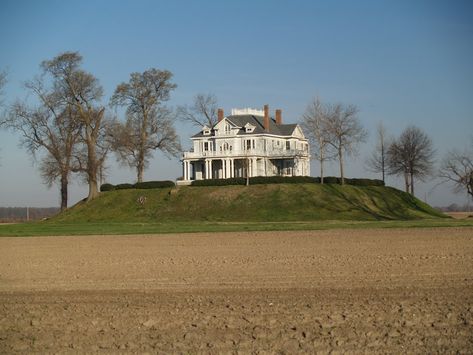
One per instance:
(249, 142)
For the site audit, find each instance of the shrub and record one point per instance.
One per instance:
(154, 184)
(107, 187)
(365, 182)
(124, 186)
(286, 180)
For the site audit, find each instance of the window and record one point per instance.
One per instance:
(253, 143)
(288, 145)
(206, 146)
(248, 144)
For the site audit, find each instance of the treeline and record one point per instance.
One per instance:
(20, 214)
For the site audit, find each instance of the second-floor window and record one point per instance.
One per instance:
(288, 145)
(206, 146)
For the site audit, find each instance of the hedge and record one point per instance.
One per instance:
(138, 185)
(286, 180)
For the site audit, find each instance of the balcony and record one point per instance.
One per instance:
(274, 153)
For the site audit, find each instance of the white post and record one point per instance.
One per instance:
(188, 170)
(232, 168)
(210, 169)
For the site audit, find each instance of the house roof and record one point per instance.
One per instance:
(257, 121)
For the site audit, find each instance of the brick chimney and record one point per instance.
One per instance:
(278, 116)
(266, 118)
(220, 114)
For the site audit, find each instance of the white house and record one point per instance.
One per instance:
(247, 140)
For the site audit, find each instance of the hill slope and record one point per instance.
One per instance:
(271, 203)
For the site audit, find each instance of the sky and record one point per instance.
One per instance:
(402, 62)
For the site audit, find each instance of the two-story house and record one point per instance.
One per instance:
(249, 142)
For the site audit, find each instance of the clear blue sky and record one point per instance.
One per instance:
(402, 62)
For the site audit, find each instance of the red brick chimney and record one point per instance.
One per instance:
(220, 114)
(278, 116)
(266, 118)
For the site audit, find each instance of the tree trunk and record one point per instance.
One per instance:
(340, 158)
(140, 171)
(92, 168)
(412, 184)
(382, 162)
(406, 181)
(64, 191)
(322, 158)
(321, 171)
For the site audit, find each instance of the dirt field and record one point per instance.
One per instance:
(368, 291)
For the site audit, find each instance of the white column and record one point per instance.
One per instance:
(184, 170)
(188, 170)
(232, 168)
(210, 169)
(206, 169)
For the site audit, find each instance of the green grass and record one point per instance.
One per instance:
(65, 229)
(240, 208)
(257, 203)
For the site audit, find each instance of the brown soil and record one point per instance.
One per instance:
(460, 215)
(375, 291)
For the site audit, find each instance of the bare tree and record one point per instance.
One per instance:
(377, 161)
(83, 92)
(315, 124)
(457, 168)
(411, 155)
(149, 124)
(52, 127)
(203, 111)
(345, 132)
(3, 82)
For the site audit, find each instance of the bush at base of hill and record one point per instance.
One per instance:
(286, 180)
(138, 185)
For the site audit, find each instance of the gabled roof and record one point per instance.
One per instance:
(257, 121)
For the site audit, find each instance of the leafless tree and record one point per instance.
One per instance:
(411, 155)
(83, 92)
(377, 161)
(315, 125)
(3, 82)
(51, 126)
(457, 168)
(345, 132)
(149, 124)
(203, 111)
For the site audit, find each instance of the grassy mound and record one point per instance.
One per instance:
(258, 203)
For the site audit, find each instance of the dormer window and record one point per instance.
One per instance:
(206, 131)
(249, 128)
(228, 129)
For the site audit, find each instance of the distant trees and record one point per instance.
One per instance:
(345, 132)
(202, 112)
(314, 124)
(149, 124)
(411, 155)
(333, 130)
(457, 168)
(377, 162)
